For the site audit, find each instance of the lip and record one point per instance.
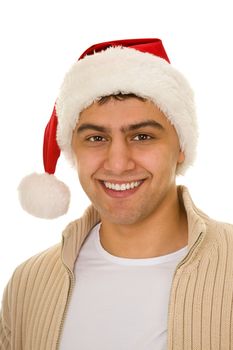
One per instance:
(120, 194)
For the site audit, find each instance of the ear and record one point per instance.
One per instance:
(181, 157)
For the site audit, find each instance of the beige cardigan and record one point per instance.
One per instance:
(201, 300)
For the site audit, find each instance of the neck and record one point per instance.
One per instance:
(163, 232)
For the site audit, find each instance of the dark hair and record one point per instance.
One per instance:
(120, 97)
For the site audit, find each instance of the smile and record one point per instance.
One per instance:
(122, 186)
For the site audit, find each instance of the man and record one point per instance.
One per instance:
(143, 268)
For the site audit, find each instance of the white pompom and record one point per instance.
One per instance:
(44, 196)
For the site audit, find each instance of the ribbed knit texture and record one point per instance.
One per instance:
(201, 301)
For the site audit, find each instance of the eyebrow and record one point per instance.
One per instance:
(131, 127)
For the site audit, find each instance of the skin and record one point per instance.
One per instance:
(124, 141)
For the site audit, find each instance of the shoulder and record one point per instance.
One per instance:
(214, 229)
(218, 228)
(36, 270)
(36, 288)
(218, 235)
(222, 232)
(40, 261)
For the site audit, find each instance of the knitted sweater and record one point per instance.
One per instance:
(201, 299)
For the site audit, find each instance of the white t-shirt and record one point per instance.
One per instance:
(118, 303)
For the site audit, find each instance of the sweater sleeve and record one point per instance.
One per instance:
(5, 332)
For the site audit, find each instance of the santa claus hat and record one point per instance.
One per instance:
(138, 66)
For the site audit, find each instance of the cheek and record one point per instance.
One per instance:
(156, 157)
(87, 162)
(161, 161)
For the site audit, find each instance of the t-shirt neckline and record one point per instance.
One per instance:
(174, 256)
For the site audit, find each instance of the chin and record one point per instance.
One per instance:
(121, 218)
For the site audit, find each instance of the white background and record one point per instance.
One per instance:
(39, 42)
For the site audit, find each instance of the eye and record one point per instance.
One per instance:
(96, 138)
(142, 137)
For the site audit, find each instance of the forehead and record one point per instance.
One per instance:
(119, 113)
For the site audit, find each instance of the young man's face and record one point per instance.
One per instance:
(127, 153)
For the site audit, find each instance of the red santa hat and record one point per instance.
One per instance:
(138, 66)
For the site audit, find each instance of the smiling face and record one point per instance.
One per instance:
(127, 153)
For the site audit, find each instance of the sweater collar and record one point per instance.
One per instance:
(76, 232)
(196, 218)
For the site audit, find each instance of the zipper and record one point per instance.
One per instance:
(71, 287)
(186, 258)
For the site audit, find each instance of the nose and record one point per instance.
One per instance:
(119, 157)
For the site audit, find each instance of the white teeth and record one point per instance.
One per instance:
(122, 187)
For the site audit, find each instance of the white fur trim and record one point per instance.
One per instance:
(128, 70)
(44, 196)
